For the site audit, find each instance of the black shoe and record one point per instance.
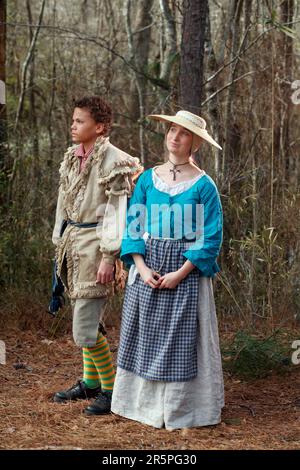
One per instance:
(101, 405)
(79, 391)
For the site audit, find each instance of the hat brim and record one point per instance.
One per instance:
(187, 125)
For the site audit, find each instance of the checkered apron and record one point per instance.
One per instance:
(159, 327)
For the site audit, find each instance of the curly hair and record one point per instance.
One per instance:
(100, 111)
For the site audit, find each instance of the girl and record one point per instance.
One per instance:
(169, 365)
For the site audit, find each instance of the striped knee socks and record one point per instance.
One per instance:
(97, 365)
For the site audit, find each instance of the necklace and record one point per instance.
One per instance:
(164, 256)
(174, 169)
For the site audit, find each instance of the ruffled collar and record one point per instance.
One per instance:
(176, 188)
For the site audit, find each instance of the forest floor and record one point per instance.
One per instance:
(260, 414)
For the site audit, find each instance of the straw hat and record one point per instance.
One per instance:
(190, 121)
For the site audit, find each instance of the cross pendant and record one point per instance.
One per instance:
(174, 171)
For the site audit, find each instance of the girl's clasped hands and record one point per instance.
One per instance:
(156, 281)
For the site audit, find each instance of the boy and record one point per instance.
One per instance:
(95, 181)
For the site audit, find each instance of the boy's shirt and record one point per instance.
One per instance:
(85, 196)
(80, 153)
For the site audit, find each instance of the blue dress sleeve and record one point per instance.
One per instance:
(133, 241)
(203, 252)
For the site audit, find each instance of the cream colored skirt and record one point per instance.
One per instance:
(174, 405)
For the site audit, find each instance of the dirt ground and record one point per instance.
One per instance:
(263, 414)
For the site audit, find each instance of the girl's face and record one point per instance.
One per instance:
(84, 128)
(179, 141)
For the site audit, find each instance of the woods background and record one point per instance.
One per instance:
(234, 62)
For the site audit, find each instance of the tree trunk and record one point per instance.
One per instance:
(168, 51)
(31, 85)
(195, 14)
(214, 109)
(50, 163)
(26, 64)
(3, 136)
(287, 13)
(232, 136)
(139, 45)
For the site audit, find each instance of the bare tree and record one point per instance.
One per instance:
(52, 92)
(27, 62)
(214, 111)
(195, 14)
(2, 80)
(286, 14)
(231, 127)
(169, 49)
(31, 86)
(138, 45)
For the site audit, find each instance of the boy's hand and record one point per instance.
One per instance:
(105, 273)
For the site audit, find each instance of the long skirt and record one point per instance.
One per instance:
(179, 404)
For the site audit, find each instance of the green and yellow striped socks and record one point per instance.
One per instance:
(97, 365)
(90, 373)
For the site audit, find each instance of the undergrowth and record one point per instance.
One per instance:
(250, 357)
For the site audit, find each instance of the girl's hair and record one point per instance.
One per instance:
(100, 111)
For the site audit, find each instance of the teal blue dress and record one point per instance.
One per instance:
(208, 241)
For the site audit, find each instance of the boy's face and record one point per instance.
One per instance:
(84, 128)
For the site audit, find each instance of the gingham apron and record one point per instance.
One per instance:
(159, 326)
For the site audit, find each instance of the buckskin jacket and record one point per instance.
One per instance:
(97, 194)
